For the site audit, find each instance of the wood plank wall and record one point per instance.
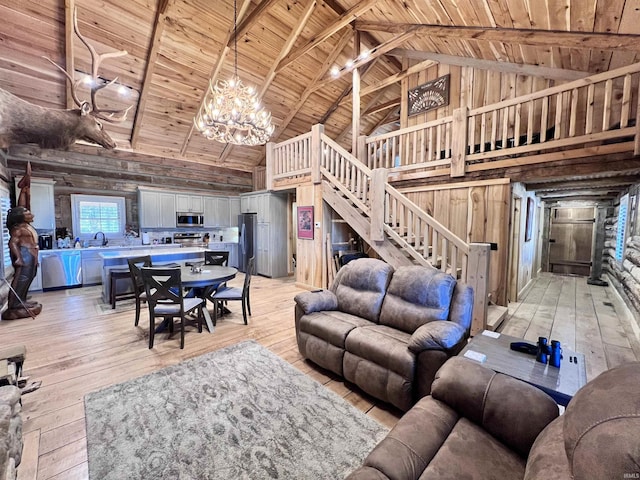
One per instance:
(476, 212)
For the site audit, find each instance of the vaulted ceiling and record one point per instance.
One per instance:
(286, 49)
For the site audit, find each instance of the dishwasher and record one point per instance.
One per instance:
(61, 269)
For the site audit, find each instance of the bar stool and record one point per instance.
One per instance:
(117, 274)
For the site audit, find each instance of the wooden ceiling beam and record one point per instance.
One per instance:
(382, 106)
(507, 67)
(343, 20)
(622, 181)
(152, 57)
(385, 82)
(374, 53)
(522, 36)
(251, 19)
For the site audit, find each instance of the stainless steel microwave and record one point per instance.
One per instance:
(188, 219)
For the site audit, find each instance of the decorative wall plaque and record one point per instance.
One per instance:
(429, 95)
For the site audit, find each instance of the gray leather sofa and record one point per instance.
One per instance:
(387, 331)
(482, 425)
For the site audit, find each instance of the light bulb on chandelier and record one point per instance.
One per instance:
(231, 112)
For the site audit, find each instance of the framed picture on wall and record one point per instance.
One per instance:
(430, 95)
(305, 222)
(528, 229)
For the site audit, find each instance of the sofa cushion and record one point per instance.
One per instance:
(470, 452)
(495, 402)
(412, 442)
(383, 346)
(601, 425)
(417, 295)
(360, 287)
(331, 325)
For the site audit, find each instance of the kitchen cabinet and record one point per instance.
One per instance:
(91, 267)
(156, 209)
(42, 203)
(232, 248)
(216, 212)
(271, 238)
(234, 211)
(189, 203)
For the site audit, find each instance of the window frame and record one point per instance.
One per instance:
(76, 200)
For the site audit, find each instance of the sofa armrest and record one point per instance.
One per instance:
(512, 411)
(436, 335)
(316, 301)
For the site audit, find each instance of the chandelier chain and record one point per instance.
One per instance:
(230, 111)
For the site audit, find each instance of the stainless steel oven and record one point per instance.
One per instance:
(189, 219)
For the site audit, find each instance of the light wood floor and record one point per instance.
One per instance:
(74, 347)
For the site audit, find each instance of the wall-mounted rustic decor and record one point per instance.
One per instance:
(429, 95)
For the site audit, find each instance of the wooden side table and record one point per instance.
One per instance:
(561, 384)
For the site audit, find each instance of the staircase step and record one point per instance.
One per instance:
(495, 316)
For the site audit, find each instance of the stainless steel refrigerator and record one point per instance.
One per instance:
(247, 231)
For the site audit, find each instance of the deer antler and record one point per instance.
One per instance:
(96, 59)
(96, 83)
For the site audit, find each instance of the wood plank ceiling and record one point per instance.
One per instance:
(286, 49)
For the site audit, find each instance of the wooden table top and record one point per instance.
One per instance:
(560, 383)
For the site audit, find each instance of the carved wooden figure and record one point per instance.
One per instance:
(23, 122)
(23, 247)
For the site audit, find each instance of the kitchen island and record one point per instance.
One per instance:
(118, 259)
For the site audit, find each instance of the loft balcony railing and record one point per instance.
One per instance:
(591, 116)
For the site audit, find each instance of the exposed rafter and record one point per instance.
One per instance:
(345, 19)
(522, 36)
(507, 67)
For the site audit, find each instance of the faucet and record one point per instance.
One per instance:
(104, 238)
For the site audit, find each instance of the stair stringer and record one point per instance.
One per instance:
(387, 250)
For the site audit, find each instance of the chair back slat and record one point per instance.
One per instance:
(212, 257)
(135, 264)
(247, 277)
(163, 285)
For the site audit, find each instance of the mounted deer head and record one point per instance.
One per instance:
(23, 122)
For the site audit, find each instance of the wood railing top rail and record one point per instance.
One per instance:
(414, 128)
(299, 138)
(346, 154)
(442, 230)
(565, 87)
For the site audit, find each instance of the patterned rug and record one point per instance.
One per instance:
(237, 413)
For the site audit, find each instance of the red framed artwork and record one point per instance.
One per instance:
(305, 222)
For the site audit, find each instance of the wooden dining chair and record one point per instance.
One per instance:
(135, 264)
(230, 294)
(166, 299)
(212, 257)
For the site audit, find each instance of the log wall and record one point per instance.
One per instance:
(625, 275)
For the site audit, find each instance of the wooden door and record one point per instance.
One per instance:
(571, 239)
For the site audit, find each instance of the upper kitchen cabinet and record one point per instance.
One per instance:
(42, 203)
(216, 212)
(189, 203)
(157, 209)
(234, 211)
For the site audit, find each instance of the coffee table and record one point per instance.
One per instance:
(561, 384)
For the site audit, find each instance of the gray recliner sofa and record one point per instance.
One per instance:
(387, 331)
(481, 425)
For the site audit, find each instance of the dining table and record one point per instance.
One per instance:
(202, 278)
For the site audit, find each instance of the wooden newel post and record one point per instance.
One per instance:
(270, 166)
(316, 152)
(459, 141)
(478, 279)
(361, 153)
(378, 183)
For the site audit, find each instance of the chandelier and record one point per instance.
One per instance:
(230, 111)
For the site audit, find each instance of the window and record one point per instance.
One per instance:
(622, 226)
(92, 214)
(5, 205)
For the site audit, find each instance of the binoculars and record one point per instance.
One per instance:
(551, 354)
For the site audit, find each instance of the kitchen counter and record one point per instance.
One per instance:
(118, 259)
(111, 248)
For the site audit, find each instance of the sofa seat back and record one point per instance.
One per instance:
(417, 295)
(360, 287)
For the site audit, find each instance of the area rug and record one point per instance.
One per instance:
(237, 413)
